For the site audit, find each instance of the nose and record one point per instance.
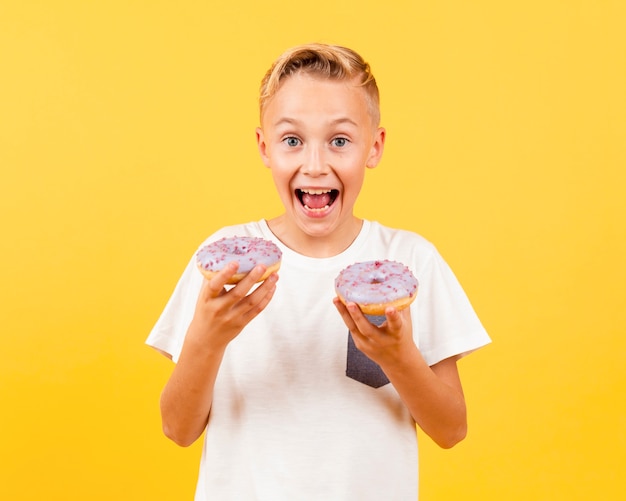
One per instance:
(314, 163)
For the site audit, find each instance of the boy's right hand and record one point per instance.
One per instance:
(221, 315)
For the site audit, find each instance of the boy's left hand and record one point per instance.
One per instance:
(383, 344)
(433, 395)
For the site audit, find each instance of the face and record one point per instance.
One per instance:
(318, 138)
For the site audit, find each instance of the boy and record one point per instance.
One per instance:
(263, 370)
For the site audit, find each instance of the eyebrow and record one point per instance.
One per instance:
(336, 121)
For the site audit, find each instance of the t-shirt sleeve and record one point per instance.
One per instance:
(446, 323)
(169, 332)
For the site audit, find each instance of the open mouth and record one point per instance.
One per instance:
(320, 199)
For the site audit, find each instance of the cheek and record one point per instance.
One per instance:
(355, 177)
(281, 175)
(280, 169)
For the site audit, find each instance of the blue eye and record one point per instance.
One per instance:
(340, 142)
(291, 141)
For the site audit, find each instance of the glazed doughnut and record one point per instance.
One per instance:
(247, 251)
(376, 285)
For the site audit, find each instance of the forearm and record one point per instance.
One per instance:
(433, 395)
(187, 396)
(219, 317)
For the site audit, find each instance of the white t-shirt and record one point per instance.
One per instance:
(286, 422)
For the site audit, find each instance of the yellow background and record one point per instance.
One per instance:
(127, 136)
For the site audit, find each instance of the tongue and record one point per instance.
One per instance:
(316, 201)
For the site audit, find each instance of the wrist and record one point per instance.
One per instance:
(200, 342)
(404, 360)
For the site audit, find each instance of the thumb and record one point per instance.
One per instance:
(394, 319)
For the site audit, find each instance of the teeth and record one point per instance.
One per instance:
(315, 192)
(317, 210)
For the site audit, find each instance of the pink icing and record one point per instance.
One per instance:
(376, 282)
(247, 251)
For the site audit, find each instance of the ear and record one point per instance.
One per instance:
(377, 149)
(262, 145)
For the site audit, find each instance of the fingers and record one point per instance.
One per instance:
(221, 314)
(345, 314)
(242, 289)
(254, 303)
(394, 320)
(355, 320)
(215, 286)
(239, 301)
(358, 323)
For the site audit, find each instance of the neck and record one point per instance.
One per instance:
(318, 246)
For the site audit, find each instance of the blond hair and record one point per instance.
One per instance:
(326, 61)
